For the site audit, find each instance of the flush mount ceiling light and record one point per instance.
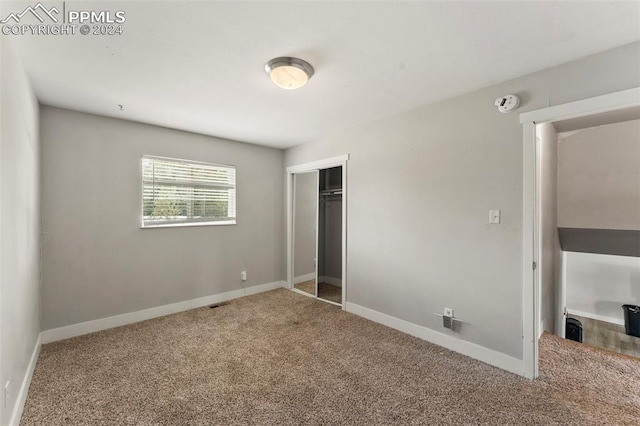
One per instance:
(289, 73)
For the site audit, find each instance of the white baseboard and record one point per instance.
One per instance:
(74, 330)
(595, 316)
(256, 289)
(302, 278)
(486, 355)
(337, 282)
(541, 330)
(16, 414)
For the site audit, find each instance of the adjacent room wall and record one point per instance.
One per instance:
(421, 185)
(305, 226)
(599, 177)
(550, 258)
(98, 263)
(598, 285)
(19, 228)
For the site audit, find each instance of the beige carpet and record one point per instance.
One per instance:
(280, 358)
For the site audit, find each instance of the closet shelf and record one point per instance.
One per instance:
(331, 192)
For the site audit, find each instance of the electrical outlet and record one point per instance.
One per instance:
(448, 312)
(243, 275)
(447, 322)
(6, 394)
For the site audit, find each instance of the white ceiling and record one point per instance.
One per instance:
(199, 66)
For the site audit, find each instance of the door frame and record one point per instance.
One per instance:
(530, 206)
(339, 161)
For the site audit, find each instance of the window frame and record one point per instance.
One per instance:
(168, 224)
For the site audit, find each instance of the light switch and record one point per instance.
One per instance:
(494, 217)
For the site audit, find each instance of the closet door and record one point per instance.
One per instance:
(305, 232)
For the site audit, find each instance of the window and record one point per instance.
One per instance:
(182, 192)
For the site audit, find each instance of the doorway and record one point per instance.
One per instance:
(534, 255)
(589, 233)
(316, 230)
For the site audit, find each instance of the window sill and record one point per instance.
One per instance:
(188, 224)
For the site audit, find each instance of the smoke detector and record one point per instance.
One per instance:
(507, 103)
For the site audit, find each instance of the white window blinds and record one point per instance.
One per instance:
(187, 192)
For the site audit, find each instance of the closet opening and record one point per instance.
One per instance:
(317, 230)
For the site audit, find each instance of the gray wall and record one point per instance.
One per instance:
(432, 175)
(97, 262)
(305, 225)
(550, 260)
(599, 177)
(19, 227)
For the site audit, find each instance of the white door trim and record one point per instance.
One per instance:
(316, 262)
(530, 213)
(584, 107)
(530, 320)
(319, 165)
(339, 161)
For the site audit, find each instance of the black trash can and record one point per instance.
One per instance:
(573, 330)
(632, 320)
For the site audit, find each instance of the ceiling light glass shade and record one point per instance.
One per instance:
(289, 73)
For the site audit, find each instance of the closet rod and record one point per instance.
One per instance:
(331, 192)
